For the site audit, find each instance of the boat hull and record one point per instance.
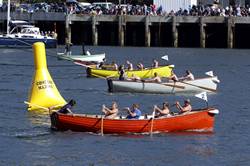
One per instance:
(163, 71)
(199, 120)
(85, 58)
(198, 85)
(26, 42)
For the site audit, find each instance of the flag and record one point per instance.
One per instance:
(216, 80)
(210, 73)
(202, 95)
(165, 57)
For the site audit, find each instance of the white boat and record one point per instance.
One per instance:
(24, 35)
(85, 58)
(208, 84)
(21, 33)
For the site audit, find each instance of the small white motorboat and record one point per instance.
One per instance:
(85, 58)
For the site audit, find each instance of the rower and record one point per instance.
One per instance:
(140, 66)
(161, 112)
(122, 74)
(189, 76)
(134, 77)
(155, 63)
(173, 77)
(185, 108)
(130, 65)
(67, 107)
(110, 112)
(135, 113)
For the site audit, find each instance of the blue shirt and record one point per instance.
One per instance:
(137, 112)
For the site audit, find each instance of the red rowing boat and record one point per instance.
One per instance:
(197, 120)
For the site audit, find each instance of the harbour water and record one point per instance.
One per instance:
(26, 137)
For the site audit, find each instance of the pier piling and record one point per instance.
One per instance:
(147, 31)
(202, 33)
(174, 32)
(230, 32)
(94, 31)
(122, 25)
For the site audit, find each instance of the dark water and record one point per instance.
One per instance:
(26, 138)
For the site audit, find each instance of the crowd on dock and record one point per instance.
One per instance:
(129, 9)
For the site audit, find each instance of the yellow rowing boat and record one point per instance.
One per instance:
(163, 71)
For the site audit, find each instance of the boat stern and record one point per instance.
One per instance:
(110, 85)
(54, 121)
(88, 71)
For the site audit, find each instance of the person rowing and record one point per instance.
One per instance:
(134, 77)
(66, 108)
(155, 63)
(173, 77)
(122, 73)
(140, 66)
(162, 112)
(110, 112)
(114, 65)
(134, 113)
(130, 65)
(156, 78)
(189, 76)
(185, 108)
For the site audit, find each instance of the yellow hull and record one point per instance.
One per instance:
(163, 71)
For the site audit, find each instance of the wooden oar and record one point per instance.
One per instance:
(175, 86)
(81, 64)
(35, 105)
(102, 125)
(44, 108)
(202, 87)
(152, 124)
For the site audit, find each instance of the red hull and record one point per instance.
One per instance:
(199, 120)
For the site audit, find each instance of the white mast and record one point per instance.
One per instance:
(8, 18)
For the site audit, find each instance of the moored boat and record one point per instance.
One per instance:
(197, 120)
(208, 84)
(97, 58)
(163, 71)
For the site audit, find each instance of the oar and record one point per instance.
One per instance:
(81, 64)
(44, 108)
(175, 86)
(35, 105)
(152, 124)
(102, 125)
(202, 87)
(98, 76)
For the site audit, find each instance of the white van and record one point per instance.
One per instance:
(106, 5)
(84, 4)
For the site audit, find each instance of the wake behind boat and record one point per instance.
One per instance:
(208, 84)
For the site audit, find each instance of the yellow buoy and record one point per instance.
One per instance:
(43, 92)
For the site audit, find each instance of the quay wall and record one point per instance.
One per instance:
(149, 31)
